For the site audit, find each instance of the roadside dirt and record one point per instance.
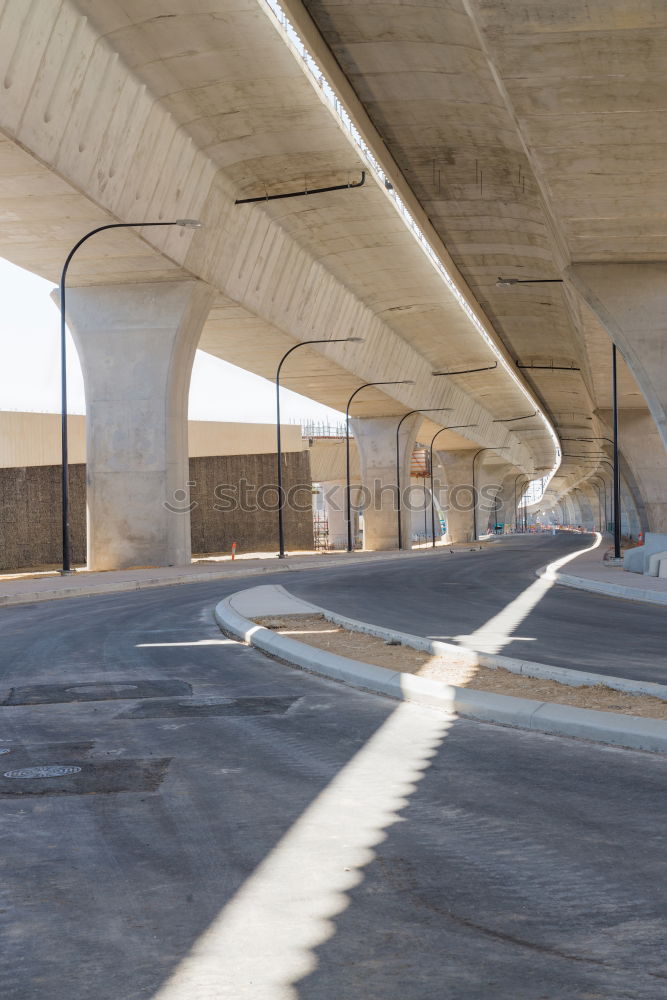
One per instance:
(315, 630)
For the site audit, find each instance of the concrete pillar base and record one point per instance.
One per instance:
(136, 344)
(376, 441)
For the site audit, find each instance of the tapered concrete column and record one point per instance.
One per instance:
(630, 300)
(505, 503)
(645, 461)
(333, 493)
(456, 498)
(136, 344)
(594, 506)
(376, 441)
(587, 518)
(569, 509)
(496, 495)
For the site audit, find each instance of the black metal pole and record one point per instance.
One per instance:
(64, 472)
(279, 459)
(617, 474)
(431, 485)
(279, 450)
(348, 497)
(522, 475)
(405, 416)
(66, 533)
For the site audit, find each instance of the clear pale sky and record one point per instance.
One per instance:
(30, 366)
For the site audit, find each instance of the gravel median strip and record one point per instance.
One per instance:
(316, 630)
(238, 615)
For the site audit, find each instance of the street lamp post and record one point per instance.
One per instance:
(348, 501)
(616, 470)
(66, 532)
(454, 427)
(521, 475)
(410, 413)
(279, 449)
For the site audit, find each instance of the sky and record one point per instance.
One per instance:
(30, 366)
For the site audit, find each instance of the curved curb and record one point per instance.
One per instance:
(607, 589)
(559, 720)
(552, 572)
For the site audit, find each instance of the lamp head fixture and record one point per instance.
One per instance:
(189, 223)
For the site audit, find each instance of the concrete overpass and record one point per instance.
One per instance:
(167, 109)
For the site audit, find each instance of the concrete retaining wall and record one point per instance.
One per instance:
(30, 512)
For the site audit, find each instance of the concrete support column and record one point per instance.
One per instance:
(570, 510)
(136, 344)
(588, 514)
(596, 509)
(495, 485)
(646, 456)
(458, 503)
(505, 511)
(630, 300)
(333, 493)
(376, 441)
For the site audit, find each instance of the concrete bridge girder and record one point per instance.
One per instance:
(120, 136)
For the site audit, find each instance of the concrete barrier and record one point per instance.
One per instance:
(637, 560)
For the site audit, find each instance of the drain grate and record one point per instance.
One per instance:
(205, 708)
(86, 778)
(44, 771)
(51, 694)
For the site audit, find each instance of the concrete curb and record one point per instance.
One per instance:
(99, 589)
(608, 589)
(552, 571)
(527, 668)
(560, 720)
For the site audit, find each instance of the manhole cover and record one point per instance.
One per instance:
(105, 690)
(50, 771)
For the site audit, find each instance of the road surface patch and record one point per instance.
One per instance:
(209, 707)
(53, 694)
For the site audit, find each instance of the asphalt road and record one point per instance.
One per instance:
(459, 595)
(267, 835)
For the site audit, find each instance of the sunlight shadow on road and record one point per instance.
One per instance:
(263, 940)
(498, 631)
